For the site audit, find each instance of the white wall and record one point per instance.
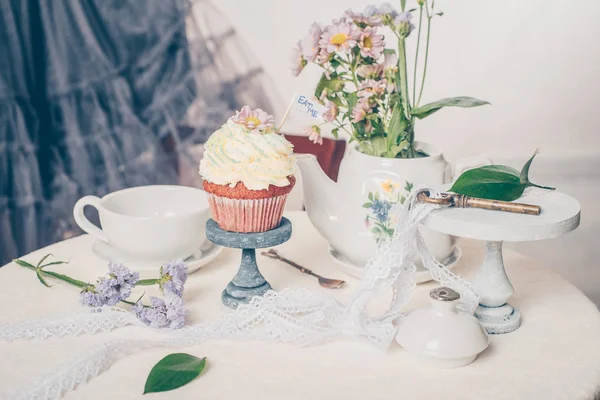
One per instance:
(536, 61)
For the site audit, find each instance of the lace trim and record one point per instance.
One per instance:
(299, 316)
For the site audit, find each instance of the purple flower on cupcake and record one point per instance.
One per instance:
(257, 121)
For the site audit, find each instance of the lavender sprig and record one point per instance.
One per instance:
(117, 285)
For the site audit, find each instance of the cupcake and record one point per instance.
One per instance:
(248, 172)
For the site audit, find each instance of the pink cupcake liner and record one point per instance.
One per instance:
(246, 215)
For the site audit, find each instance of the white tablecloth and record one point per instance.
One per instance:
(554, 355)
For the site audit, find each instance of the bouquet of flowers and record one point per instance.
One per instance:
(365, 85)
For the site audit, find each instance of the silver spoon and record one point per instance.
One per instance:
(325, 282)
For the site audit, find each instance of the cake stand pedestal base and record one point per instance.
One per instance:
(498, 320)
(248, 282)
(560, 215)
(493, 284)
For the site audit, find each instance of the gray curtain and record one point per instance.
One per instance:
(99, 95)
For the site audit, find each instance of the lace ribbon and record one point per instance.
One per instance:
(296, 316)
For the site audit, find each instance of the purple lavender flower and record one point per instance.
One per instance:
(111, 289)
(91, 298)
(173, 276)
(122, 274)
(403, 24)
(168, 312)
(175, 311)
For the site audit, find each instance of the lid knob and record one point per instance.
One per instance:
(444, 294)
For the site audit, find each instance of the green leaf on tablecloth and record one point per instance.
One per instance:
(174, 371)
(41, 279)
(495, 182)
(23, 263)
(43, 259)
(53, 263)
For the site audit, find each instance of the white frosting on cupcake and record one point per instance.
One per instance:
(235, 154)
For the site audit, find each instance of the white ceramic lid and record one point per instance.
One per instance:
(442, 331)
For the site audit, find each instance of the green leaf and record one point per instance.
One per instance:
(41, 279)
(524, 176)
(174, 371)
(352, 99)
(147, 282)
(335, 132)
(334, 84)
(403, 4)
(43, 259)
(495, 182)
(368, 204)
(370, 196)
(398, 123)
(23, 263)
(428, 109)
(53, 263)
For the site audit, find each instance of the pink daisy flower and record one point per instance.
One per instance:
(339, 37)
(371, 44)
(332, 111)
(256, 121)
(370, 87)
(297, 62)
(360, 110)
(374, 71)
(314, 134)
(310, 44)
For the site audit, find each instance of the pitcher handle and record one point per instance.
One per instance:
(82, 220)
(453, 171)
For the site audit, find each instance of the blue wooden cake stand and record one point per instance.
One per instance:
(248, 282)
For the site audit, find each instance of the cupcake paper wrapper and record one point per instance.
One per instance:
(247, 215)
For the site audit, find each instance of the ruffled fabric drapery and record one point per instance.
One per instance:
(99, 95)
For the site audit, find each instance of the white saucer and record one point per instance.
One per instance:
(421, 275)
(203, 256)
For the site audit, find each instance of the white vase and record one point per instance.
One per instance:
(353, 214)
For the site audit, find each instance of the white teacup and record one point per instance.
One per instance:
(149, 223)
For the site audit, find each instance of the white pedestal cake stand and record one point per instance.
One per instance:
(560, 215)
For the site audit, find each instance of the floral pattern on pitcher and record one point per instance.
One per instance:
(378, 220)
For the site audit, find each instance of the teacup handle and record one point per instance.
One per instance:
(453, 171)
(82, 220)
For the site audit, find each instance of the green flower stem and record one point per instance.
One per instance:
(403, 77)
(74, 282)
(353, 72)
(417, 55)
(147, 282)
(429, 16)
(541, 187)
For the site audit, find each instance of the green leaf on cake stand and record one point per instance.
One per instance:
(174, 371)
(495, 182)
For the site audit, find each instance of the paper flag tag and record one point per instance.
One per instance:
(302, 113)
(307, 106)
